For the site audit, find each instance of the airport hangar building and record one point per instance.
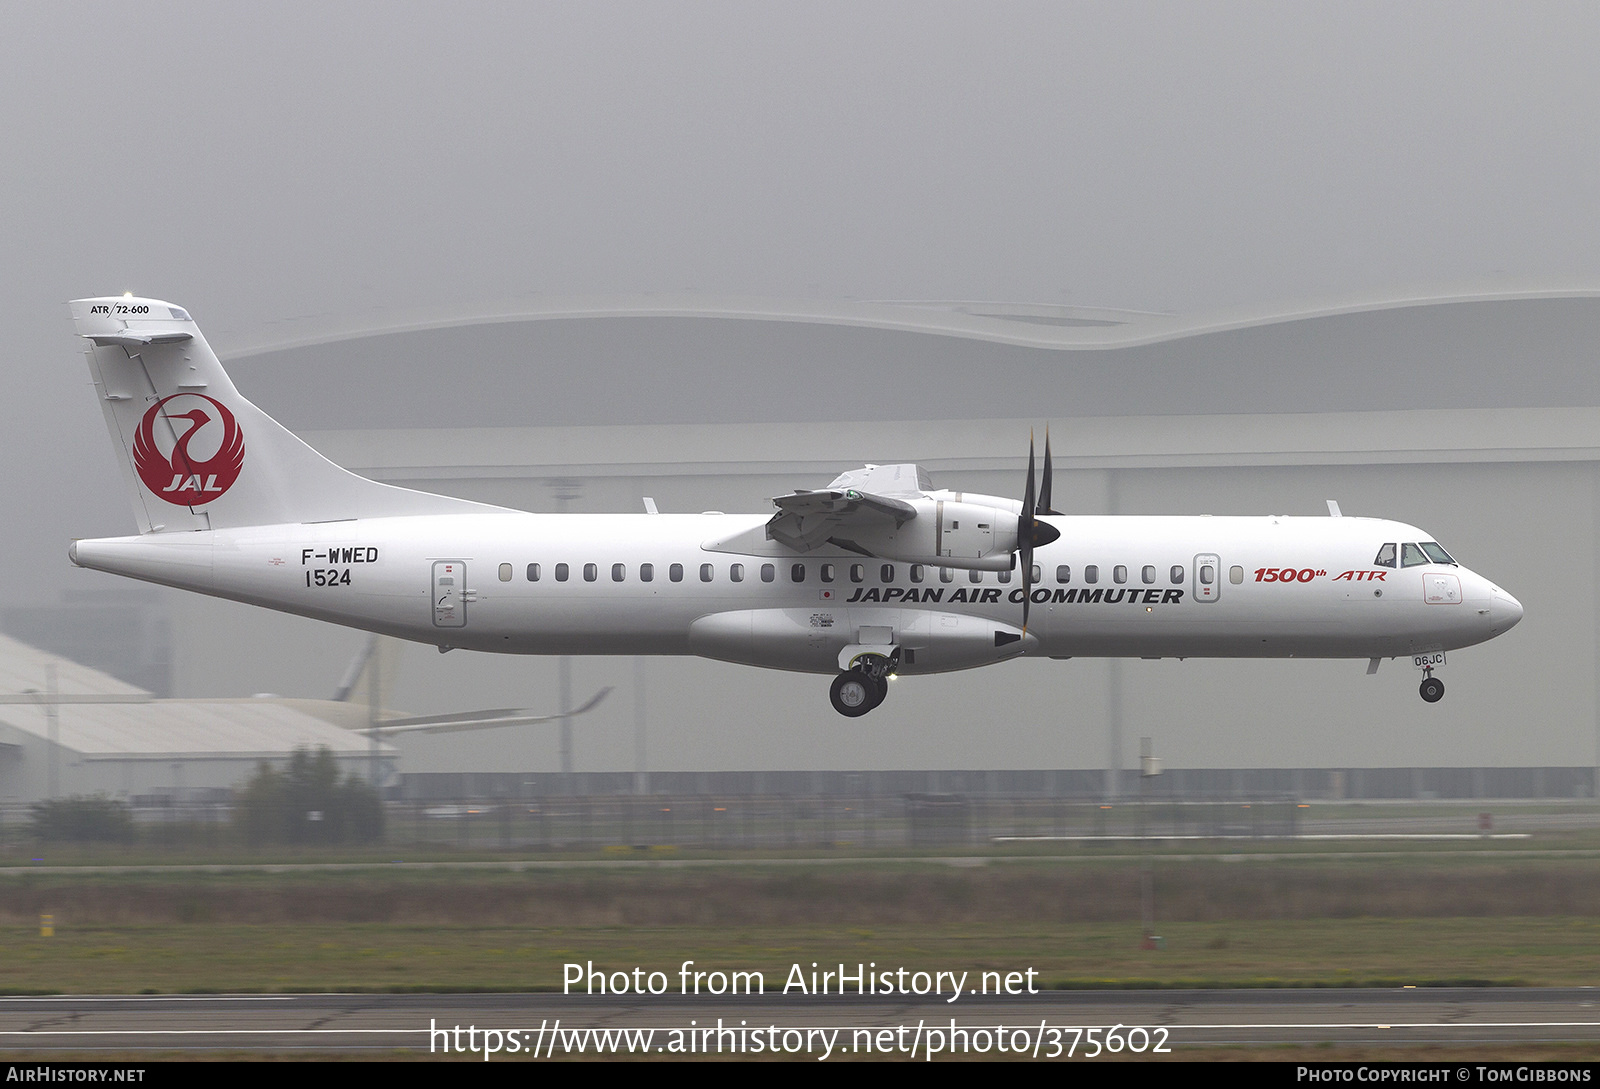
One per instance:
(1474, 415)
(69, 730)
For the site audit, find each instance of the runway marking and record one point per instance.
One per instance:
(213, 1032)
(1308, 835)
(171, 997)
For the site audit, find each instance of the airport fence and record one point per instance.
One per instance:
(641, 824)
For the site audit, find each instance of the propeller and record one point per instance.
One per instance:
(1044, 485)
(1032, 533)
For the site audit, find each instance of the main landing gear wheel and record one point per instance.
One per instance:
(1432, 689)
(854, 693)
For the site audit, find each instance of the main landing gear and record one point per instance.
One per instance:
(858, 690)
(1432, 688)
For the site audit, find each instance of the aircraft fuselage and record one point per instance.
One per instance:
(1268, 587)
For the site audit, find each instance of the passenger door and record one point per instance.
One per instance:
(1207, 577)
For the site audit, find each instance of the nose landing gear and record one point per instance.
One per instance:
(1432, 688)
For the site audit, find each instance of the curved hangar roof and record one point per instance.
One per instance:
(689, 360)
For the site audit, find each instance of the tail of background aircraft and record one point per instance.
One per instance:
(195, 454)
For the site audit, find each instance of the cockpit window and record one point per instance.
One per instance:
(1385, 556)
(1412, 556)
(1437, 554)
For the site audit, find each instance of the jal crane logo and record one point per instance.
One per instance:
(185, 478)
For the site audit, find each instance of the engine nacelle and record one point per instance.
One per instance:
(970, 532)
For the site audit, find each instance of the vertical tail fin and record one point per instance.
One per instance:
(197, 455)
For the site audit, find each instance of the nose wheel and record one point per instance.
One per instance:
(1432, 688)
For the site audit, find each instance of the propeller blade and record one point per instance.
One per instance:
(1025, 524)
(1044, 484)
(1032, 533)
(1027, 496)
(1027, 583)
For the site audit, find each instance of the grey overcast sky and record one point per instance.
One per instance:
(262, 162)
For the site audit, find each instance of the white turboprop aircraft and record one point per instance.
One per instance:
(878, 574)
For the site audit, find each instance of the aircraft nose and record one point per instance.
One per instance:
(1504, 610)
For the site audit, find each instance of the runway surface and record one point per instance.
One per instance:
(1047, 1025)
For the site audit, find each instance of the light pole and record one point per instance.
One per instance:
(1149, 768)
(50, 702)
(641, 770)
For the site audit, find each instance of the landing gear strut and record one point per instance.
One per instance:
(1432, 688)
(857, 691)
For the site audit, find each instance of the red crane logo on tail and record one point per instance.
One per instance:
(183, 478)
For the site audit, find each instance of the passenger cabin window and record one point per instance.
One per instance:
(1004, 576)
(1208, 574)
(916, 572)
(619, 571)
(1176, 574)
(591, 571)
(1236, 574)
(768, 572)
(946, 575)
(1091, 574)
(886, 572)
(736, 572)
(1119, 574)
(826, 574)
(797, 573)
(1148, 574)
(974, 576)
(533, 572)
(705, 572)
(1412, 556)
(1385, 556)
(858, 572)
(675, 572)
(1063, 573)
(505, 572)
(1035, 575)
(561, 572)
(647, 572)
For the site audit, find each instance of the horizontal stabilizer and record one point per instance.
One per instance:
(132, 339)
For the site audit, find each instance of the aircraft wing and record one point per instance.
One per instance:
(809, 519)
(473, 720)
